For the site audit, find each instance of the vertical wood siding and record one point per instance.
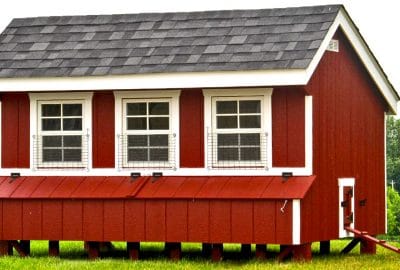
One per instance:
(288, 133)
(15, 130)
(133, 220)
(103, 130)
(348, 127)
(191, 129)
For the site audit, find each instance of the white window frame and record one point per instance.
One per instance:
(124, 97)
(36, 100)
(263, 94)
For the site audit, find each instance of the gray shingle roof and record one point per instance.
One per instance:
(230, 40)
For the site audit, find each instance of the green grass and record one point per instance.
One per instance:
(72, 256)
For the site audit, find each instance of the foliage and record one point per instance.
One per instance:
(393, 212)
(393, 151)
(74, 257)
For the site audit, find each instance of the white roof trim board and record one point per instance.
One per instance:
(291, 74)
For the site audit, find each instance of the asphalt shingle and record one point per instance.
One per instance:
(226, 40)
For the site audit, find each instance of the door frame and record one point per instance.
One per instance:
(342, 183)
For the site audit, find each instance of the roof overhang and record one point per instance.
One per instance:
(217, 79)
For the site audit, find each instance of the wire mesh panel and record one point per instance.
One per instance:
(147, 151)
(237, 150)
(60, 151)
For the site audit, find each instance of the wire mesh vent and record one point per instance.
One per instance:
(155, 151)
(237, 151)
(60, 152)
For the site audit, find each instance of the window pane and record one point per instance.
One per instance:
(250, 121)
(228, 139)
(228, 153)
(250, 139)
(159, 123)
(157, 154)
(137, 123)
(72, 141)
(51, 110)
(72, 109)
(249, 106)
(137, 140)
(158, 140)
(250, 153)
(51, 124)
(137, 154)
(73, 155)
(136, 108)
(226, 121)
(159, 108)
(51, 141)
(72, 124)
(52, 155)
(225, 107)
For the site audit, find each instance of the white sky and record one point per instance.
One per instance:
(377, 21)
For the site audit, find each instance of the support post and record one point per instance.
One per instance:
(54, 248)
(325, 247)
(245, 251)
(173, 251)
(93, 250)
(206, 249)
(133, 249)
(4, 248)
(367, 247)
(302, 252)
(217, 252)
(261, 252)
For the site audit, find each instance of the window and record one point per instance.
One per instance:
(149, 127)
(61, 131)
(237, 128)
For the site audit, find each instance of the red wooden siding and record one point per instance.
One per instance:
(348, 128)
(103, 130)
(177, 220)
(288, 132)
(191, 129)
(15, 130)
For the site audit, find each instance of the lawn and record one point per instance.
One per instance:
(72, 256)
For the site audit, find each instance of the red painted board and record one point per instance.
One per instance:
(93, 220)
(176, 221)
(12, 216)
(191, 129)
(279, 128)
(155, 220)
(52, 228)
(27, 187)
(264, 222)
(106, 188)
(284, 221)
(212, 187)
(32, 219)
(199, 220)
(130, 187)
(67, 186)
(242, 221)
(169, 186)
(87, 187)
(149, 188)
(8, 187)
(47, 187)
(134, 220)
(294, 188)
(23, 134)
(3, 179)
(72, 219)
(113, 220)
(244, 187)
(220, 221)
(1, 219)
(103, 130)
(9, 130)
(190, 187)
(296, 128)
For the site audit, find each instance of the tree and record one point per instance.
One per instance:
(393, 212)
(393, 151)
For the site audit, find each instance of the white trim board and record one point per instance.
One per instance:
(296, 222)
(217, 79)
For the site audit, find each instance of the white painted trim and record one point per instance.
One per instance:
(296, 222)
(86, 98)
(266, 127)
(308, 130)
(173, 95)
(345, 182)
